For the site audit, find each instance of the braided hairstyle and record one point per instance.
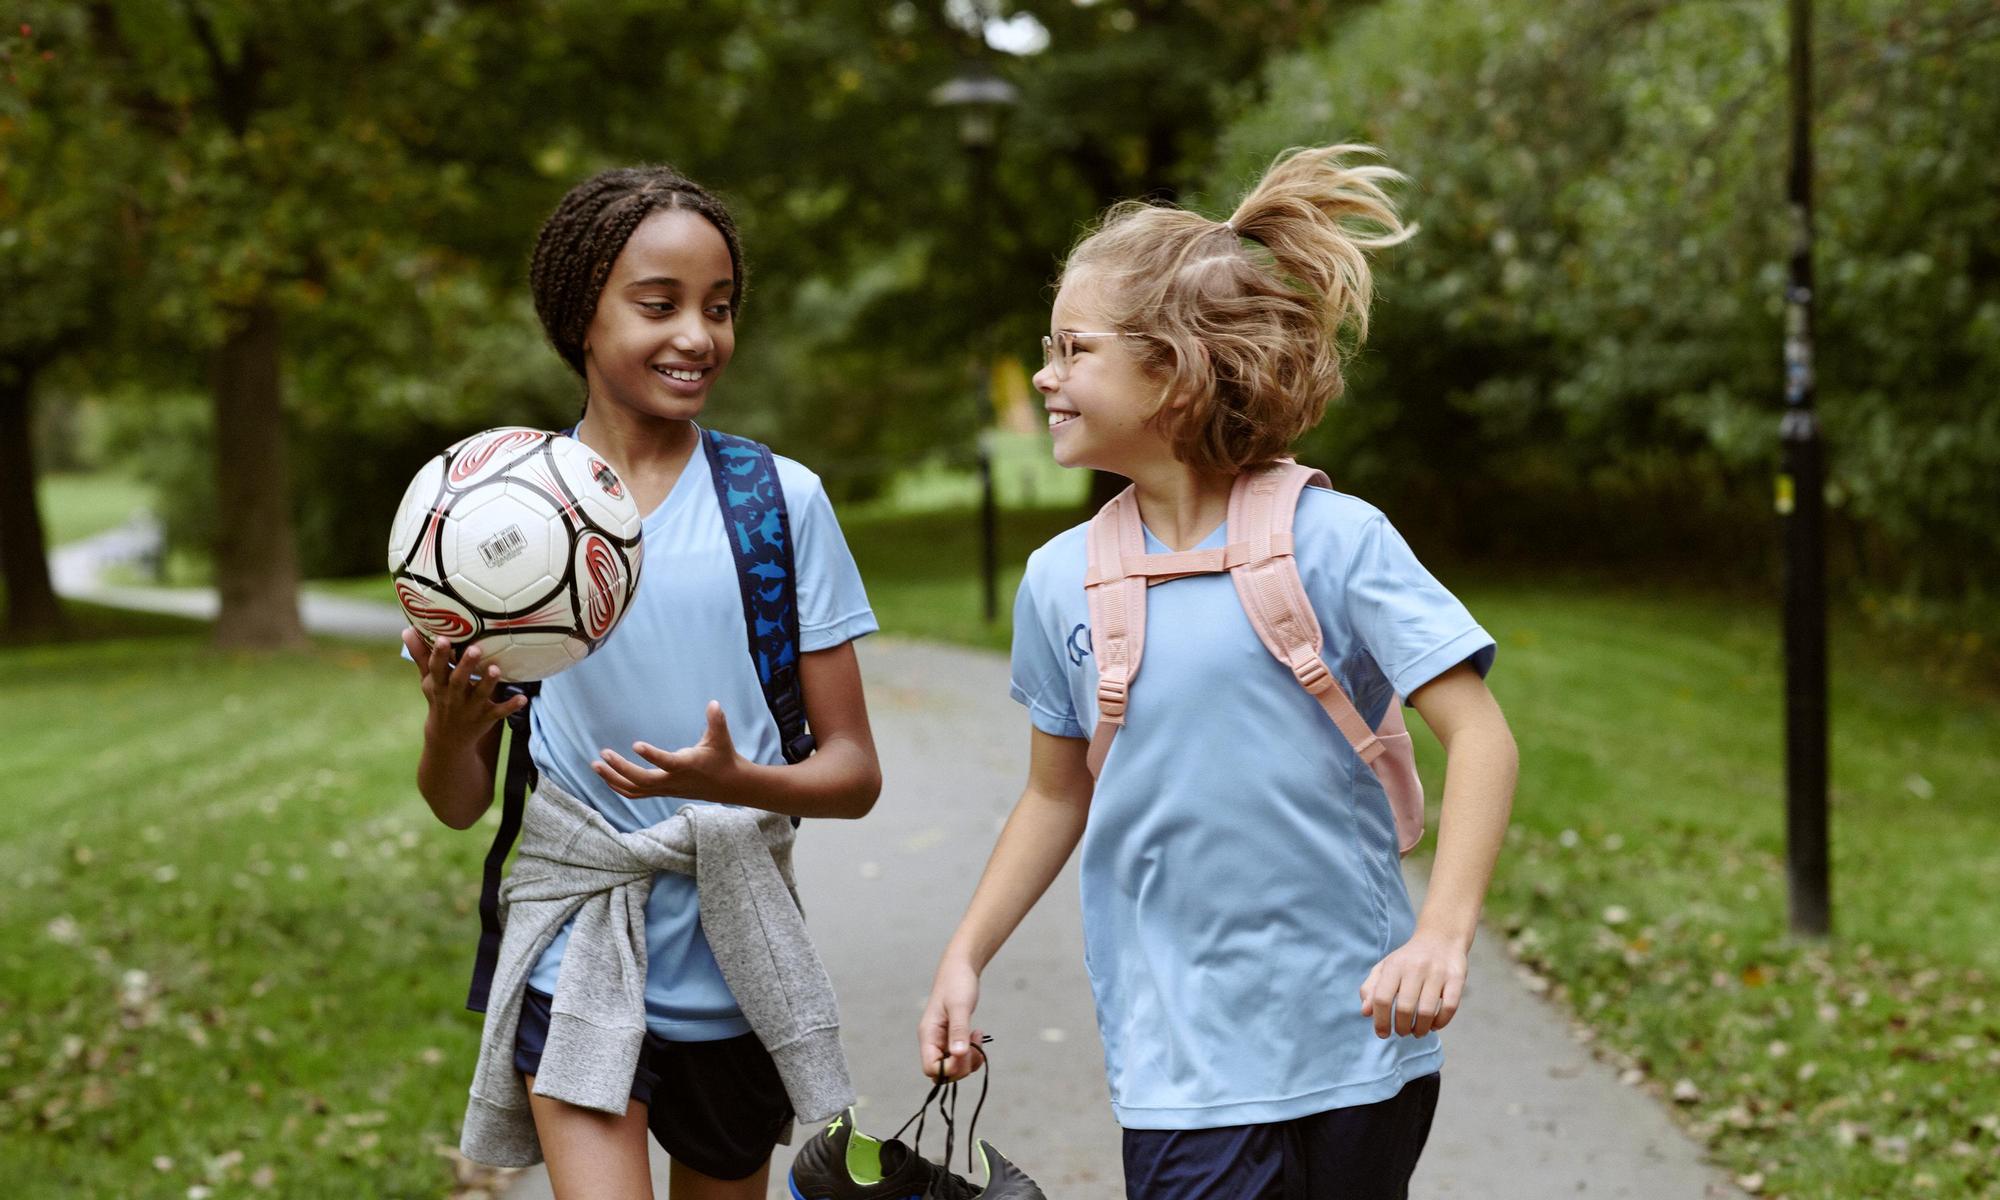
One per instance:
(586, 232)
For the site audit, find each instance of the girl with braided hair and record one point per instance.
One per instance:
(638, 278)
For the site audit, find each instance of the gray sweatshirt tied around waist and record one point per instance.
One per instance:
(573, 863)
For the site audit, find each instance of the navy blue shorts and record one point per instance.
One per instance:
(1361, 1153)
(723, 1106)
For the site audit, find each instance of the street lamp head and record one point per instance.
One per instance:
(980, 96)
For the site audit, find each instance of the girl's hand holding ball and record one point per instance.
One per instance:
(461, 697)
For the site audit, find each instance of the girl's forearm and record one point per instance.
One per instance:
(1039, 837)
(456, 777)
(841, 779)
(1481, 764)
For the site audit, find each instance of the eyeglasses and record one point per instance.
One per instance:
(1056, 351)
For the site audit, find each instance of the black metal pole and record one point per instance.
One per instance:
(989, 518)
(989, 532)
(1801, 501)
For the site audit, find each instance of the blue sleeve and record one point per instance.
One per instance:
(1038, 680)
(833, 606)
(1414, 628)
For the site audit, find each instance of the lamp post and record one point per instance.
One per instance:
(981, 97)
(1802, 503)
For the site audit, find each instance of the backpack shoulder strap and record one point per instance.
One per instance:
(759, 531)
(518, 780)
(1117, 614)
(1262, 506)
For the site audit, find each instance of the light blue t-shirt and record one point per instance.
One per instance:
(680, 645)
(1240, 875)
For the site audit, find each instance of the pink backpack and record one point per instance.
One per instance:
(1259, 558)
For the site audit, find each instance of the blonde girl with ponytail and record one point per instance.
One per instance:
(1268, 999)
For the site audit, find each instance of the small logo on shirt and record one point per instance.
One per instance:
(1079, 644)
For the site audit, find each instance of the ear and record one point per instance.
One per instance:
(1197, 365)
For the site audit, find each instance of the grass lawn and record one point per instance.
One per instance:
(237, 951)
(1644, 881)
(232, 959)
(77, 506)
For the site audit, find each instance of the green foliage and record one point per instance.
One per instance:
(884, 255)
(166, 443)
(62, 154)
(1595, 300)
(377, 172)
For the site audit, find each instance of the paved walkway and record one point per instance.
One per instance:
(77, 572)
(1526, 1112)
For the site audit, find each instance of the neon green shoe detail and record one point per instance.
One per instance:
(864, 1158)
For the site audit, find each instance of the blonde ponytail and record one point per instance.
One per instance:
(1242, 321)
(1312, 210)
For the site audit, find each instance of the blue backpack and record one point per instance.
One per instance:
(760, 540)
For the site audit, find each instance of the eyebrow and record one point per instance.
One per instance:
(669, 281)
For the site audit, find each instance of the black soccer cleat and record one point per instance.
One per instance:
(842, 1163)
(1004, 1180)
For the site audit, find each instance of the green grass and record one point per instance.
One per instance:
(76, 506)
(233, 951)
(301, 922)
(1644, 880)
(1024, 477)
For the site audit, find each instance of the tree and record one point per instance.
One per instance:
(298, 200)
(337, 207)
(1592, 310)
(58, 237)
(879, 265)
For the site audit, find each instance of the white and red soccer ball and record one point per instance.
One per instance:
(522, 542)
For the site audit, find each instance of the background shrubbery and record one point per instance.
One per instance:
(1585, 336)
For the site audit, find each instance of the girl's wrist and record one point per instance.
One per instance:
(737, 781)
(1453, 933)
(449, 739)
(959, 956)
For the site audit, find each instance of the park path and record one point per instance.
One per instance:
(1526, 1112)
(77, 571)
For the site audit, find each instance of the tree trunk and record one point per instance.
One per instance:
(32, 611)
(256, 563)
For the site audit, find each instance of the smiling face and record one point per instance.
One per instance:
(663, 329)
(1101, 414)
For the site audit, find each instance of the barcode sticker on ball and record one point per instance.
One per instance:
(503, 547)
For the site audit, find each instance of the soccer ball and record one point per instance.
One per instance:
(521, 542)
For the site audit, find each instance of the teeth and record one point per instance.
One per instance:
(683, 376)
(1060, 418)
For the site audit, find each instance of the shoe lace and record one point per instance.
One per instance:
(945, 1093)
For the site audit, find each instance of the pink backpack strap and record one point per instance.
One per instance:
(1117, 613)
(1262, 506)
(1259, 557)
